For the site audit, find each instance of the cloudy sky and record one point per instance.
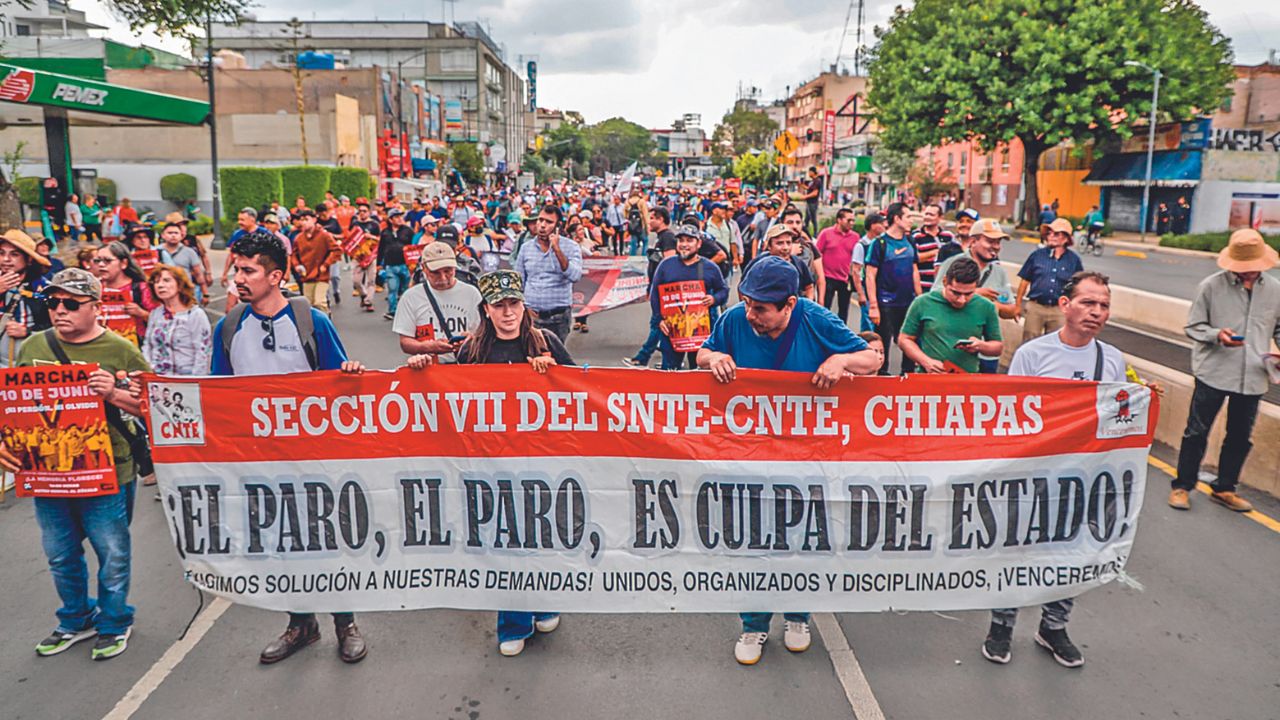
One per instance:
(651, 61)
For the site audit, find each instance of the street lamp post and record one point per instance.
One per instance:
(400, 124)
(1151, 140)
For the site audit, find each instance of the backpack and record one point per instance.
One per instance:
(635, 221)
(301, 317)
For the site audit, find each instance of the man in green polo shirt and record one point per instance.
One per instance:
(945, 332)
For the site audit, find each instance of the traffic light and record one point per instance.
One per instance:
(808, 135)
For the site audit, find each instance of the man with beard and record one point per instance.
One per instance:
(687, 270)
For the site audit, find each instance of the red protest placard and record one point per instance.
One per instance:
(113, 315)
(352, 240)
(56, 427)
(686, 315)
(147, 260)
(412, 253)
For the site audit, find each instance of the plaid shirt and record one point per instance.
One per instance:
(546, 286)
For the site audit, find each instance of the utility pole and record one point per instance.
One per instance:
(213, 132)
(1151, 141)
(295, 30)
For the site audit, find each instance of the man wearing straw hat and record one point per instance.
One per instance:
(1233, 320)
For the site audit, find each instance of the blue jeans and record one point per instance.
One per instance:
(65, 523)
(518, 625)
(650, 346)
(672, 360)
(988, 367)
(866, 319)
(759, 622)
(397, 282)
(638, 243)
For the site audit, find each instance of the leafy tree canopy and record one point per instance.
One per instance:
(179, 18)
(744, 130)
(616, 143)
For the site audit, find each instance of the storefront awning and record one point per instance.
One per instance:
(1172, 168)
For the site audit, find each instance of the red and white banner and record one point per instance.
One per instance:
(55, 426)
(616, 490)
(609, 282)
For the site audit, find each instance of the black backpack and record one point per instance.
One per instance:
(635, 220)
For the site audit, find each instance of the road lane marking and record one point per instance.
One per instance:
(148, 683)
(856, 689)
(1262, 519)
(1132, 253)
(1030, 239)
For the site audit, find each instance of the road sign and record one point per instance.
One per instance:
(786, 143)
(39, 87)
(785, 160)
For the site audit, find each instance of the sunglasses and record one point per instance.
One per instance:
(269, 341)
(72, 305)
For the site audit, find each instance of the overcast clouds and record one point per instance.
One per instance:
(654, 60)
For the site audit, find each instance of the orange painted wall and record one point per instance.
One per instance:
(1074, 197)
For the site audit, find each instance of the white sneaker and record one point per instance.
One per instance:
(749, 648)
(546, 626)
(511, 648)
(796, 637)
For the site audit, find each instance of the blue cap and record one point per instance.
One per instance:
(969, 213)
(771, 279)
(717, 205)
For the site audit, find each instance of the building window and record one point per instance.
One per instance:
(22, 30)
(458, 60)
(1004, 160)
(951, 160)
(458, 90)
(986, 194)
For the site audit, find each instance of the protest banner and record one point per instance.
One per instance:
(113, 315)
(352, 239)
(613, 490)
(609, 282)
(412, 254)
(55, 425)
(688, 318)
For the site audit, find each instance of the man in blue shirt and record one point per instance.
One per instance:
(269, 338)
(549, 267)
(893, 281)
(1044, 274)
(774, 329)
(688, 271)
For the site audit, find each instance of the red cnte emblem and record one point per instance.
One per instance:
(1123, 413)
(18, 86)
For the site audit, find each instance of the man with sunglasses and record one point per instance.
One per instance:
(73, 297)
(268, 334)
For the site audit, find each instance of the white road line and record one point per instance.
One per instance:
(848, 670)
(148, 683)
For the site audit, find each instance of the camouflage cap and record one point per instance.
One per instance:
(500, 285)
(77, 282)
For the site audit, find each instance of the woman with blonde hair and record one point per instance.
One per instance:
(179, 340)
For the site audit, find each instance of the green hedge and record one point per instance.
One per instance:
(309, 181)
(107, 189)
(1210, 242)
(351, 181)
(248, 187)
(28, 190)
(202, 225)
(178, 188)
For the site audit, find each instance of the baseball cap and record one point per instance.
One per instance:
(304, 212)
(1061, 225)
(438, 255)
(268, 218)
(969, 213)
(778, 229)
(585, 214)
(394, 212)
(717, 205)
(429, 219)
(362, 201)
(771, 279)
(475, 221)
(77, 282)
(688, 230)
(448, 232)
(988, 227)
(500, 285)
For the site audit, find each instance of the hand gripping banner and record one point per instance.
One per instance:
(617, 490)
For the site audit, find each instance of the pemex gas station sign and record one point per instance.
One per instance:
(37, 87)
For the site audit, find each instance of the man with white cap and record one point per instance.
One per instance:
(1044, 274)
(435, 316)
(1233, 321)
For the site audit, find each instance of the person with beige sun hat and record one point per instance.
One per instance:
(21, 311)
(1234, 319)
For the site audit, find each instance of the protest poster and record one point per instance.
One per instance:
(113, 315)
(688, 318)
(412, 254)
(609, 282)
(615, 490)
(147, 260)
(55, 425)
(352, 240)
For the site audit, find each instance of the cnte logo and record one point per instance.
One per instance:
(81, 95)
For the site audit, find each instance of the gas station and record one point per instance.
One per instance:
(67, 100)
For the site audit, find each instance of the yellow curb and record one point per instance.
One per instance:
(1132, 253)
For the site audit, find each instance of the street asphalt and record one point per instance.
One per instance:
(1193, 635)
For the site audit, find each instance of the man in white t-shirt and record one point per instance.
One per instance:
(434, 317)
(1072, 353)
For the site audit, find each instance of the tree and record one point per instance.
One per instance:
(616, 143)
(759, 169)
(742, 130)
(1041, 71)
(567, 143)
(10, 203)
(183, 19)
(930, 179)
(894, 163)
(542, 172)
(468, 161)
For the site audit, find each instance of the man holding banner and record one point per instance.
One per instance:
(774, 329)
(684, 295)
(264, 335)
(435, 316)
(66, 522)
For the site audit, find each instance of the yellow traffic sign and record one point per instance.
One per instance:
(786, 143)
(785, 160)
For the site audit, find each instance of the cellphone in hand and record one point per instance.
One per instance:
(1238, 338)
(963, 344)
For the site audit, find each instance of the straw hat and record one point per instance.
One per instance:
(23, 242)
(1246, 251)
